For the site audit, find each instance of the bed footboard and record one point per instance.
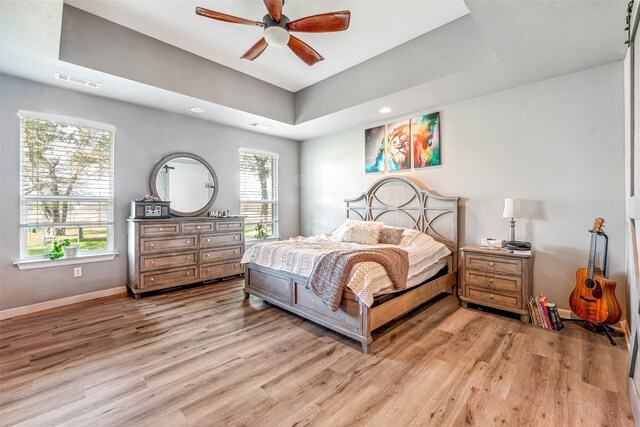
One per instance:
(353, 318)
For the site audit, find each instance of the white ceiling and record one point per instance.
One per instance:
(376, 26)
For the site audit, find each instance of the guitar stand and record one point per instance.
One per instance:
(595, 327)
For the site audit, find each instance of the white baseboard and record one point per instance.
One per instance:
(622, 326)
(33, 308)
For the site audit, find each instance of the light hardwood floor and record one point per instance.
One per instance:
(205, 356)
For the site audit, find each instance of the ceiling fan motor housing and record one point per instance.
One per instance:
(276, 33)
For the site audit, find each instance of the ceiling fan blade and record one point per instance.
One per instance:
(255, 50)
(323, 23)
(305, 52)
(226, 18)
(274, 7)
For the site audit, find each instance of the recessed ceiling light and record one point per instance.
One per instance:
(197, 110)
(384, 110)
(77, 80)
(260, 126)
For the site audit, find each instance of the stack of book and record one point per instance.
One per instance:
(544, 314)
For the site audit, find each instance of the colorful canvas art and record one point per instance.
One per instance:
(399, 146)
(425, 137)
(374, 149)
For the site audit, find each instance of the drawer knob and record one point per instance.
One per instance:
(152, 279)
(160, 229)
(188, 258)
(491, 296)
(491, 263)
(235, 265)
(235, 252)
(153, 262)
(188, 241)
(188, 273)
(152, 245)
(236, 237)
(208, 240)
(228, 225)
(490, 280)
(198, 227)
(208, 255)
(207, 270)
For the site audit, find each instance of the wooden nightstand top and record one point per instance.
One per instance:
(489, 251)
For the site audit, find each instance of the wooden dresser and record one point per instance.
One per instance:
(170, 252)
(496, 278)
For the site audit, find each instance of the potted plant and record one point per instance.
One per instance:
(261, 232)
(70, 251)
(57, 251)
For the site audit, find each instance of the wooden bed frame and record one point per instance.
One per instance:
(395, 201)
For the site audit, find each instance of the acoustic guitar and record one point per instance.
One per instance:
(594, 297)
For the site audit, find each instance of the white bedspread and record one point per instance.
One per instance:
(298, 255)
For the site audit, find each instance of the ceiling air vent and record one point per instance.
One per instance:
(77, 80)
(260, 126)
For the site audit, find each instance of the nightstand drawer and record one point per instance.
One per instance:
(491, 265)
(506, 300)
(493, 281)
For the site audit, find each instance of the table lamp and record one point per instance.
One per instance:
(511, 210)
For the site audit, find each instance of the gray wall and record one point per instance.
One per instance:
(143, 137)
(557, 144)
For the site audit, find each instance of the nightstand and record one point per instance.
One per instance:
(496, 278)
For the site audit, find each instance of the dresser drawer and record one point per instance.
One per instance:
(174, 277)
(228, 225)
(155, 262)
(167, 244)
(197, 227)
(214, 240)
(220, 255)
(221, 270)
(492, 265)
(493, 281)
(507, 300)
(159, 229)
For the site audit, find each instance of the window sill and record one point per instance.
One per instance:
(31, 264)
(251, 242)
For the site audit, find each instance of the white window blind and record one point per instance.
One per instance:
(259, 191)
(66, 183)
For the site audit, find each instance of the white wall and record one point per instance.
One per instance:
(143, 136)
(557, 144)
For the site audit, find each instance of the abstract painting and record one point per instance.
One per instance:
(399, 146)
(374, 149)
(425, 137)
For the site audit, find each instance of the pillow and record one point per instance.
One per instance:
(363, 232)
(390, 235)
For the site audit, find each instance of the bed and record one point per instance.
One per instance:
(397, 202)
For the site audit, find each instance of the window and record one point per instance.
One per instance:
(66, 184)
(259, 191)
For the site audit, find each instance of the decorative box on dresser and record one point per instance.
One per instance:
(496, 278)
(169, 252)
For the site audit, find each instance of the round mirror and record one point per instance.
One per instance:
(188, 181)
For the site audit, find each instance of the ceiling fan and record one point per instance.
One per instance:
(277, 27)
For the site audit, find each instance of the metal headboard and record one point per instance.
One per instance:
(400, 202)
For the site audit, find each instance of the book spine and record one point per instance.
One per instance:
(532, 314)
(543, 321)
(538, 314)
(552, 318)
(556, 315)
(543, 304)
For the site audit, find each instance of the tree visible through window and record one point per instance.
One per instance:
(66, 184)
(259, 191)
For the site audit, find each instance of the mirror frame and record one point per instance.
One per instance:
(161, 163)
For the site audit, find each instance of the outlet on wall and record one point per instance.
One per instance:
(77, 272)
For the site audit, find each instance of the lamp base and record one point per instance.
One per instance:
(512, 230)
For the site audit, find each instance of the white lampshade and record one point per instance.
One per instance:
(511, 208)
(276, 36)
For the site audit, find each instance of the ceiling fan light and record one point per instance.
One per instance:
(276, 36)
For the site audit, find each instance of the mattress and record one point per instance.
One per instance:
(367, 279)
